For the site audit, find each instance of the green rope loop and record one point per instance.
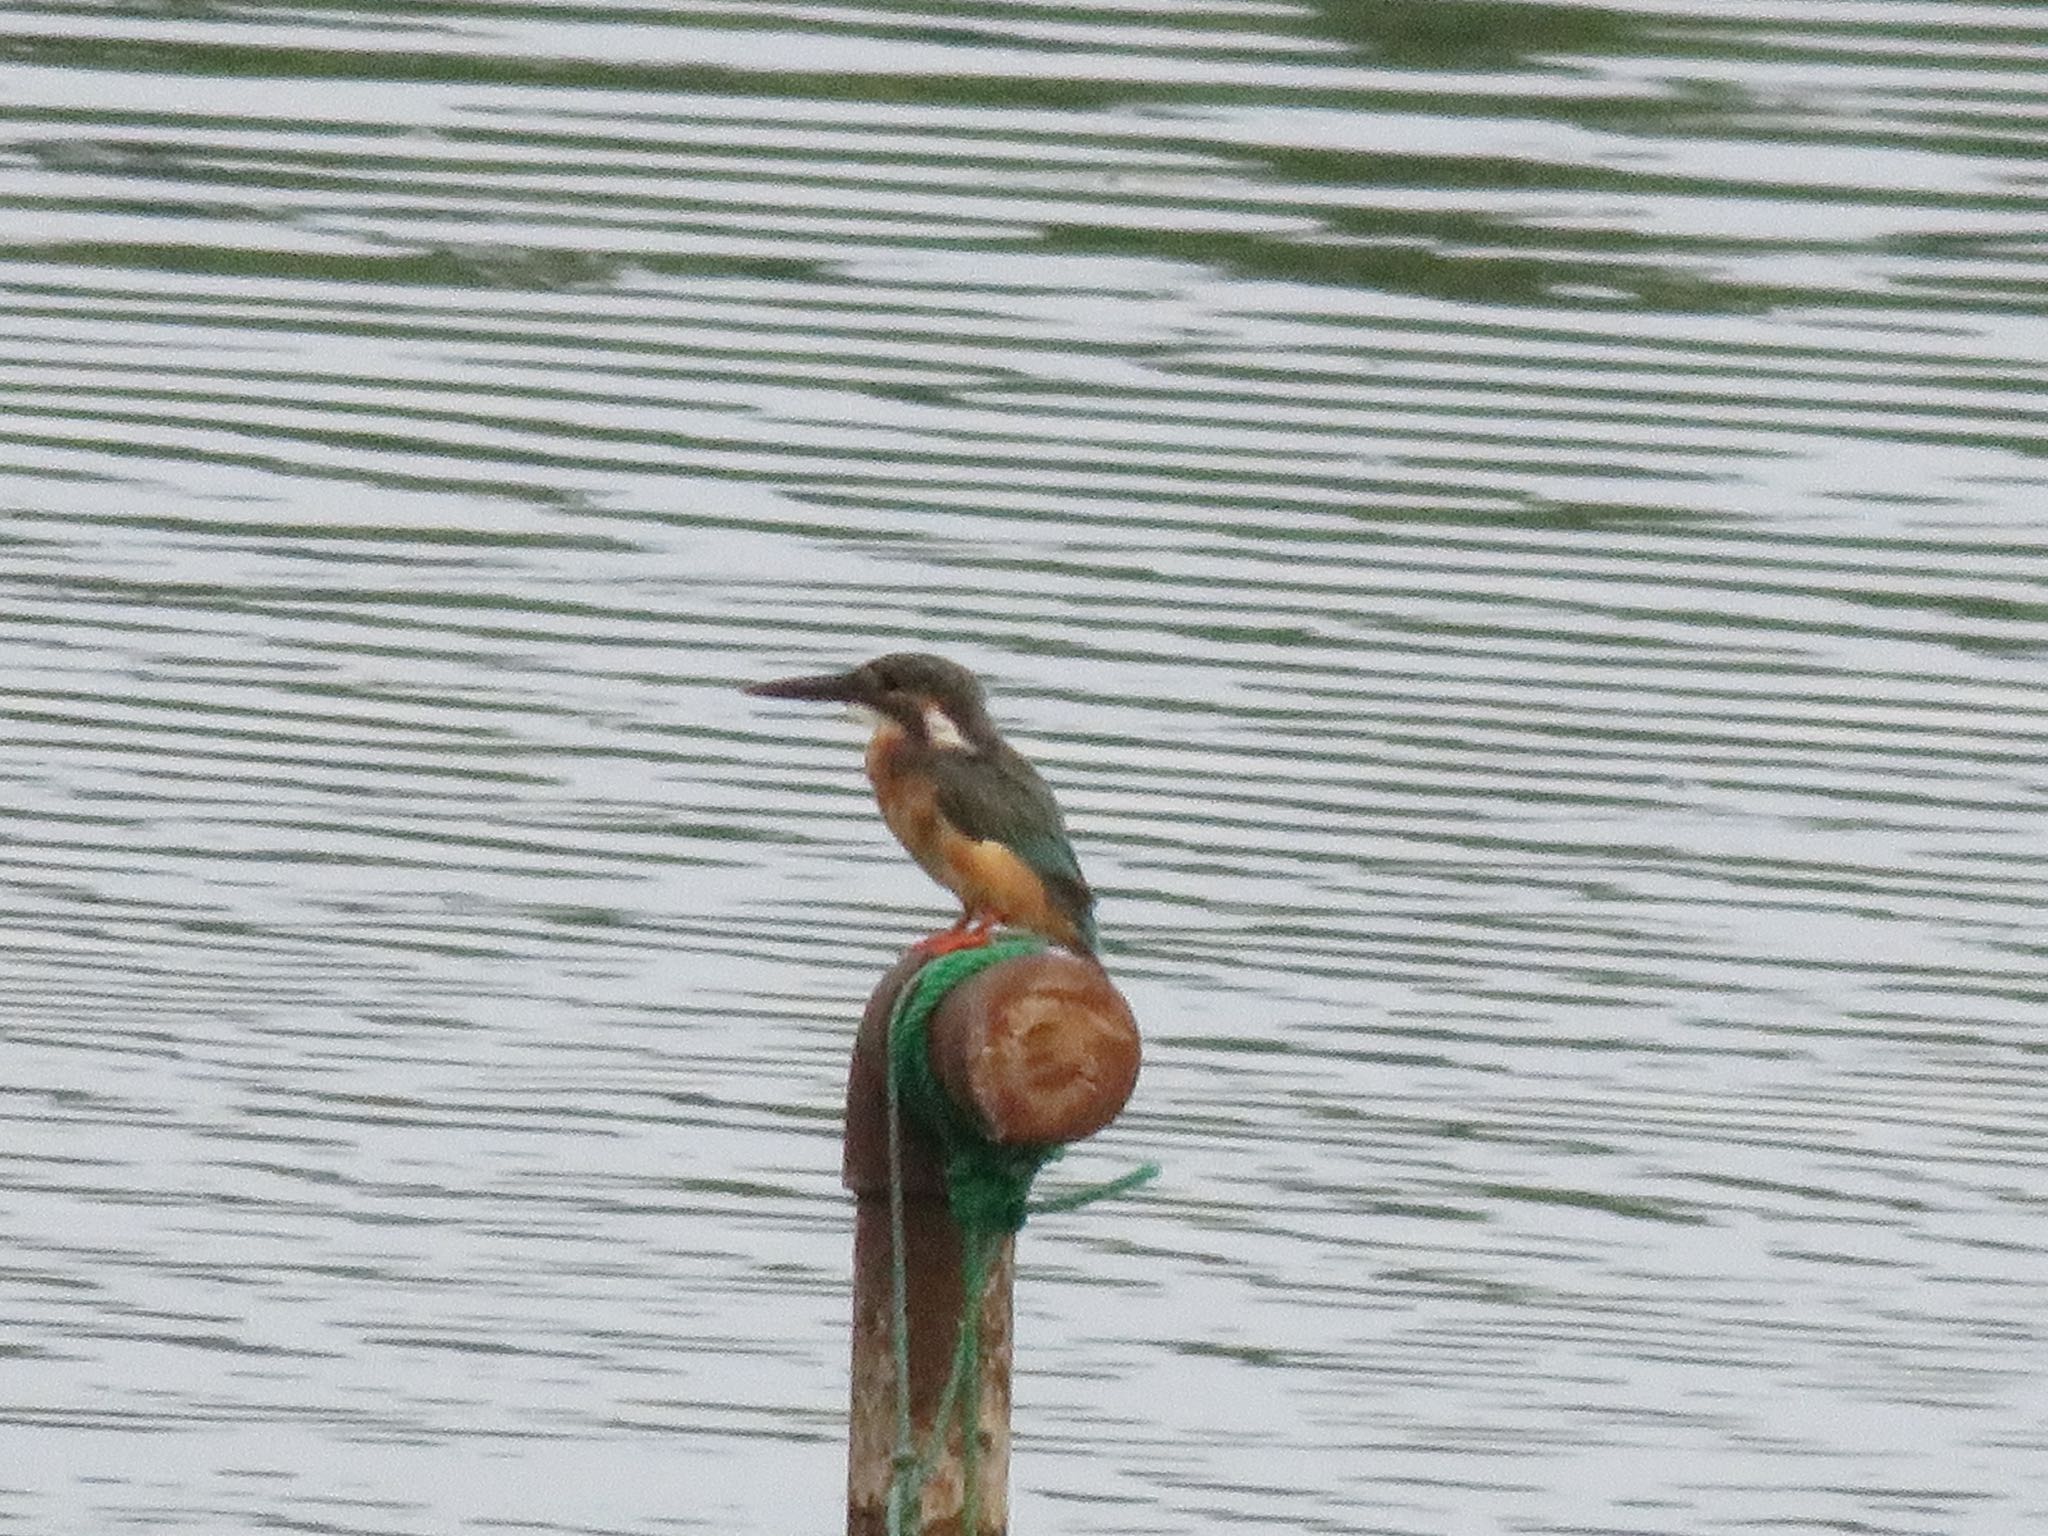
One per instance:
(987, 1186)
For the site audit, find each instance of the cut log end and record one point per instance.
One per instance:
(1042, 1049)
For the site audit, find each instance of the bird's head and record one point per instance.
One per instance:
(934, 700)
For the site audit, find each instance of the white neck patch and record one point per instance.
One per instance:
(940, 730)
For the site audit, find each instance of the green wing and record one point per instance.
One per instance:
(998, 797)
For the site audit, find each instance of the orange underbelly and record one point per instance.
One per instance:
(993, 880)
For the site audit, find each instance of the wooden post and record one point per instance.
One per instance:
(1040, 1050)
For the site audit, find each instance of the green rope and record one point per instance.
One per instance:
(988, 1190)
(986, 1185)
(1088, 1194)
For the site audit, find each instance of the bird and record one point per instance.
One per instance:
(962, 801)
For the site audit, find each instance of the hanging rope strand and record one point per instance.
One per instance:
(906, 1481)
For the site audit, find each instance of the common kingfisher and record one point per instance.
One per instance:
(963, 801)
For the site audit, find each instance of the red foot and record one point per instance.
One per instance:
(946, 943)
(968, 933)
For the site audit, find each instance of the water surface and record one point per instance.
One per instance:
(1516, 530)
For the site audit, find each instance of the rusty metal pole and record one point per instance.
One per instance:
(1040, 1050)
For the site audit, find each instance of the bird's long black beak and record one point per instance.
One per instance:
(832, 687)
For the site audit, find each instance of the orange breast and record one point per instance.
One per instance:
(909, 805)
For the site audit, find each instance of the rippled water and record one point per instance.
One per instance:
(1517, 529)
